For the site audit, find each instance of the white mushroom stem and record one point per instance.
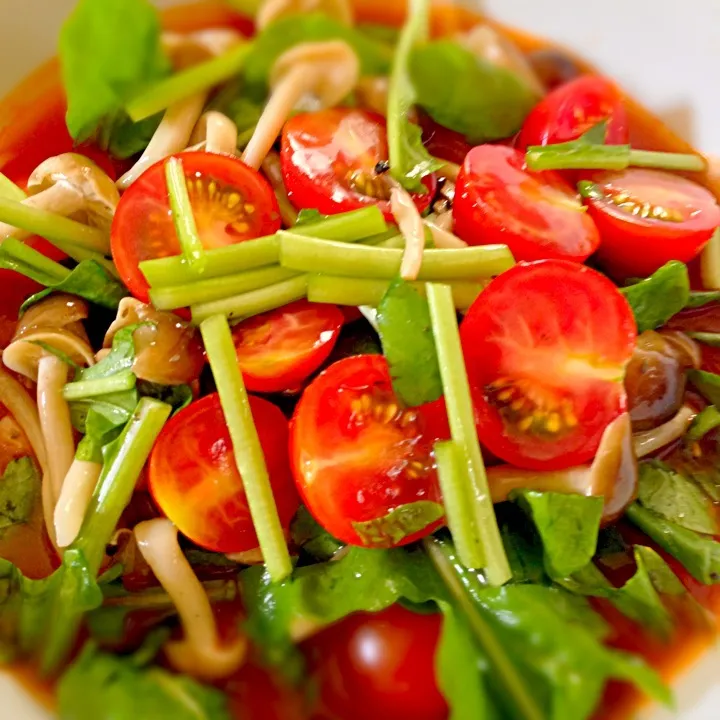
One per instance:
(442, 237)
(172, 136)
(273, 172)
(651, 440)
(218, 133)
(200, 653)
(77, 489)
(412, 228)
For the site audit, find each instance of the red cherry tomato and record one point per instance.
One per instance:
(14, 290)
(572, 109)
(546, 345)
(537, 214)
(379, 666)
(231, 203)
(648, 217)
(357, 455)
(195, 482)
(279, 349)
(442, 142)
(329, 159)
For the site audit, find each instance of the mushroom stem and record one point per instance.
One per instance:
(273, 172)
(651, 440)
(217, 131)
(172, 136)
(411, 226)
(77, 489)
(442, 237)
(200, 653)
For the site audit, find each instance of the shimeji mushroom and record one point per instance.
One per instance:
(309, 76)
(185, 50)
(372, 93)
(272, 169)
(215, 132)
(271, 10)
(200, 653)
(70, 185)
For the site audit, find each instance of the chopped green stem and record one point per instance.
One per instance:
(183, 216)
(346, 227)
(80, 254)
(462, 426)
(583, 156)
(314, 255)
(204, 291)
(93, 388)
(339, 290)
(60, 231)
(198, 78)
(254, 302)
(16, 255)
(516, 688)
(246, 444)
(9, 190)
(712, 339)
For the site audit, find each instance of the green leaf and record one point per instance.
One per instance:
(121, 356)
(400, 523)
(699, 554)
(125, 138)
(403, 320)
(676, 498)
(707, 384)
(177, 396)
(109, 50)
(699, 299)
(19, 490)
(568, 526)
(289, 31)
(410, 162)
(99, 686)
(309, 535)
(483, 102)
(308, 216)
(656, 299)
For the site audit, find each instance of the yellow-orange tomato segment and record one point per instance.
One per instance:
(195, 482)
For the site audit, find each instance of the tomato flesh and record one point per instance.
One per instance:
(538, 215)
(648, 217)
(572, 109)
(195, 482)
(357, 454)
(231, 203)
(329, 159)
(546, 346)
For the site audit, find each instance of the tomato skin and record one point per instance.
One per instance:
(357, 455)
(321, 150)
(379, 665)
(195, 482)
(572, 109)
(442, 142)
(634, 246)
(547, 343)
(538, 215)
(143, 228)
(280, 349)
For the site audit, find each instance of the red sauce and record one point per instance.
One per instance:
(32, 128)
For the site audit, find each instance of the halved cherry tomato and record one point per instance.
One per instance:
(572, 109)
(546, 346)
(357, 454)
(231, 202)
(648, 217)
(14, 290)
(442, 142)
(538, 215)
(279, 349)
(329, 159)
(195, 482)
(379, 666)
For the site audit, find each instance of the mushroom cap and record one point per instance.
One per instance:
(82, 176)
(329, 70)
(185, 50)
(271, 10)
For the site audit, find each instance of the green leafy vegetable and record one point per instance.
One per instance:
(125, 138)
(177, 396)
(19, 490)
(99, 686)
(109, 50)
(410, 162)
(286, 32)
(309, 535)
(483, 102)
(656, 299)
(568, 526)
(400, 523)
(707, 383)
(403, 320)
(676, 498)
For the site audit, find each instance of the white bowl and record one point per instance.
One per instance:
(665, 51)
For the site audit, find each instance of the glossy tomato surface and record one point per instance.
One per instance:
(358, 455)
(546, 346)
(329, 159)
(442, 142)
(538, 215)
(231, 203)
(648, 217)
(379, 666)
(280, 349)
(572, 109)
(195, 482)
